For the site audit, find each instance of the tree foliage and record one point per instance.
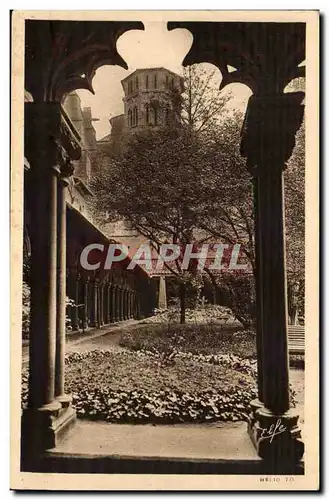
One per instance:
(189, 184)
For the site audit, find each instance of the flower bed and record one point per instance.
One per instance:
(146, 387)
(205, 339)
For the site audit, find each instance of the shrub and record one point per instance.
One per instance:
(26, 307)
(208, 338)
(240, 297)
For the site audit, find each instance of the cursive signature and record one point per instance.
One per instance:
(274, 430)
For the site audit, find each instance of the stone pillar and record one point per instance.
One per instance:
(105, 320)
(258, 274)
(99, 305)
(162, 295)
(129, 304)
(94, 304)
(268, 141)
(125, 304)
(114, 303)
(43, 290)
(49, 143)
(121, 304)
(86, 304)
(107, 302)
(76, 321)
(60, 395)
(101, 302)
(137, 306)
(110, 302)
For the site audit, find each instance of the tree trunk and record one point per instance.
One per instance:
(293, 290)
(182, 294)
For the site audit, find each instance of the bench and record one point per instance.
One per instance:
(296, 339)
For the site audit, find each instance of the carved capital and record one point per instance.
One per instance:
(51, 141)
(62, 56)
(265, 56)
(268, 132)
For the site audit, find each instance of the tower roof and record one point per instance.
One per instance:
(141, 70)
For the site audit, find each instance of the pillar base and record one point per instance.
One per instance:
(277, 438)
(43, 428)
(255, 405)
(65, 400)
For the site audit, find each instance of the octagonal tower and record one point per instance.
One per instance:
(152, 98)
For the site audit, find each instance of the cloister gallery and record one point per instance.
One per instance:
(62, 56)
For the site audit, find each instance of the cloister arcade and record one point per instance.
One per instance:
(62, 56)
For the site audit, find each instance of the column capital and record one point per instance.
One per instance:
(268, 132)
(50, 138)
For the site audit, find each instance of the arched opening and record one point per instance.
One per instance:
(135, 117)
(98, 292)
(130, 118)
(147, 114)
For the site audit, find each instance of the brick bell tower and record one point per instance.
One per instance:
(152, 98)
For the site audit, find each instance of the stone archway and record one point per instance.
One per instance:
(62, 56)
(266, 57)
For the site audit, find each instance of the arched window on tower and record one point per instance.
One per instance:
(147, 114)
(135, 117)
(136, 82)
(147, 81)
(130, 121)
(155, 81)
(155, 114)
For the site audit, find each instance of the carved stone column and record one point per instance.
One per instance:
(121, 304)
(94, 304)
(76, 319)
(115, 315)
(86, 304)
(258, 403)
(101, 305)
(138, 309)
(268, 140)
(125, 304)
(109, 302)
(50, 141)
(129, 293)
(62, 184)
(134, 304)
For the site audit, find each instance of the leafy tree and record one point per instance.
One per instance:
(158, 193)
(201, 105)
(191, 185)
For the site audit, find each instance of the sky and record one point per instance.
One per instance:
(154, 47)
